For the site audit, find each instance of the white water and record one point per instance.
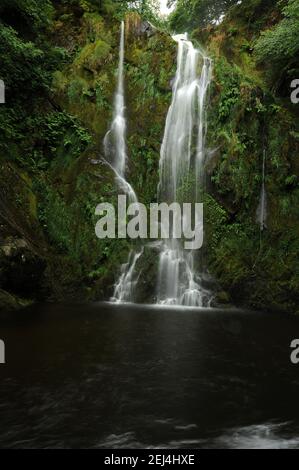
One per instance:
(125, 287)
(115, 139)
(116, 155)
(181, 164)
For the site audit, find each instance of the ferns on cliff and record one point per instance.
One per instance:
(280, 44)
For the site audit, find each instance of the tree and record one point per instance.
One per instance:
(147, 9)
(190, 14)
(281, 43)
(31, 16)
(26, 58)
(277, 49)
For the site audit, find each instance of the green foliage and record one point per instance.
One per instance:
(22, 64)
(146, 81)
(50, 149)
(279, 46)
(281, 43)
(65, 138)
(229, 81)
(291, 181)
(55, 218)
(27, 60)
(93, 55)
(148, 9)
(193, 14)
(35, 14)
(78, 90)
(100, 92)
(245, 121)
(56, 137)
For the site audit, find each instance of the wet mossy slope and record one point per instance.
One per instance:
(52, 177)
(251, 117)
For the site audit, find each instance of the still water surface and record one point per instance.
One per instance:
(106, 376)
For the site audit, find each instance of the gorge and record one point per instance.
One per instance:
(149, 192)
(52, 156)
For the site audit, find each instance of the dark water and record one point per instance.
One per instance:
(103, 376)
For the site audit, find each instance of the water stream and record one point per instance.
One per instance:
(116, 155)
(181, 165)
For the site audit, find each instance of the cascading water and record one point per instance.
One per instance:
(181, 164)
(116, 155)
(115, 139)
(125, 287)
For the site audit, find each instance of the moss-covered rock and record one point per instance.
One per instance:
(58, 174)
(248, 122)
(9, 303)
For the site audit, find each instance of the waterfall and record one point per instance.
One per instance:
(115, 140)
(116, 155)
(125, 287)
(261, 213)
(181, 163)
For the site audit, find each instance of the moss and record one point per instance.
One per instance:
(59, 82)
(94, 26)
(93, 55)
(246, 120)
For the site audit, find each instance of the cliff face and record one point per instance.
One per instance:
(60, 67)
(252, 121)
(54, 168)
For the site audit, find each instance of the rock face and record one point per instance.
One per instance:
(137, 28)
(10, 303)
(21, 270)
(12, 246)
(50, 187)
(52, 174)
(148, 29)
(252, 134)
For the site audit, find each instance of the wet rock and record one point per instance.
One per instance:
(21, 271)
(11, 246)
(148, 29)
(147, 268)
(222, 300)
(135, 27)
(10, 303)
(223, 297)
